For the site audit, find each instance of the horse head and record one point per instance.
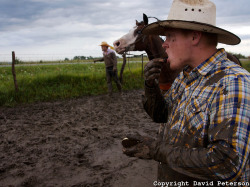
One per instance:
(151, 44)
(134, 40)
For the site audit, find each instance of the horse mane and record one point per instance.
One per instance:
(234, 58)
(155, 44)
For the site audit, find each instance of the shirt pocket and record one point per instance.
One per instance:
(197, 113)
(201, 99)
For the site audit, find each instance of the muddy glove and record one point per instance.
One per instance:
(152, 71)
(139, 146)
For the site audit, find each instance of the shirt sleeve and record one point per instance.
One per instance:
(114, 59)
(100, 59)
(155, 104)
(226, 156)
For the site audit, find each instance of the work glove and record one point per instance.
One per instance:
(139, 146)
(152, 71)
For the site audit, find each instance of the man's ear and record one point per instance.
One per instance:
(196, 37)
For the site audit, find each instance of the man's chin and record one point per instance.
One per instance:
(171, 64)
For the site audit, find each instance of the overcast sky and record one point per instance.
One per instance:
(67, 28)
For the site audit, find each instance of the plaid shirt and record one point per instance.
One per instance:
(206, 134)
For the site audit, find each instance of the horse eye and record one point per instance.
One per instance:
(138, 32)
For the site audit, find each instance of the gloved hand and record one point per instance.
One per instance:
(139, 146)
(152, 71)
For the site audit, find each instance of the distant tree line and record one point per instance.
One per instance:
(77, 58)
(80, 58)
(239, 56)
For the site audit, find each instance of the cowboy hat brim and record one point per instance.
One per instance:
(160, 27)
(107, 45)
(104, 45)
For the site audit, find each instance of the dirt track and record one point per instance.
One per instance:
(75, 143)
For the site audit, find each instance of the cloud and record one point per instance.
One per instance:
(77, 27)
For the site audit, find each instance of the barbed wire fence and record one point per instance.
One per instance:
(26, 57)
(52, 57)
(14, 59)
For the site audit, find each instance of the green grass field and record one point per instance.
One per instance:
(246, 64)
(54, 82)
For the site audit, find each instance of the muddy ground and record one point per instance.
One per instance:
(75, 142)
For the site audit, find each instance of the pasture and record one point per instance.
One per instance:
(246, 64)
(54, 82)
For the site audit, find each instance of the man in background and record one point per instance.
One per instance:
(110, 60)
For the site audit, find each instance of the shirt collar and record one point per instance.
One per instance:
(108, 51)
(206, 66)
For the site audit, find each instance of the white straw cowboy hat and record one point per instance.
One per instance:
(199, 15)
(106, 44)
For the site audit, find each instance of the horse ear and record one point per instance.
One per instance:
(136, 22)
(145, 19)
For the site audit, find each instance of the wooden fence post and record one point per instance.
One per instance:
(123, 67)
(13, 70)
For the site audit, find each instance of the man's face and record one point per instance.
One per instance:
(104, 48)
(178, 47)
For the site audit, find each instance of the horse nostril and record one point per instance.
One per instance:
(117, 44)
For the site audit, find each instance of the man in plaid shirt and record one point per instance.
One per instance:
(206, 112)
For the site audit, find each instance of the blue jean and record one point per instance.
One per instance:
(112, 74)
